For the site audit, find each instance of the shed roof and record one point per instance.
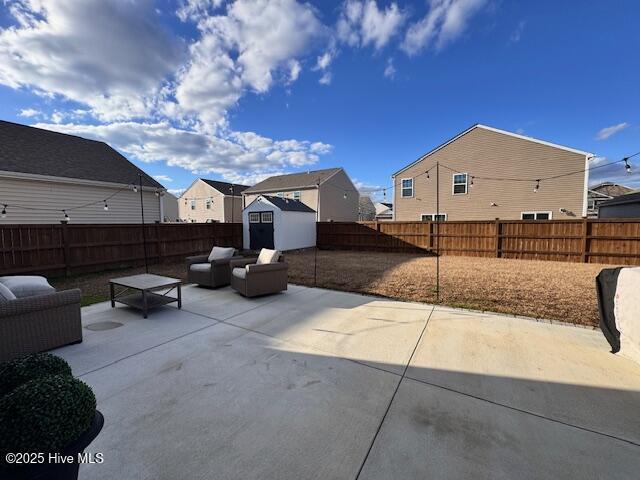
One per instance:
(288, 204)
(36, 151)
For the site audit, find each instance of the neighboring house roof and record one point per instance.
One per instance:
(496, 130)
(36, 151)
(293, 181)
(622, 199)
(225, 187)
(287, 204)
(366, 208)
(611, 189)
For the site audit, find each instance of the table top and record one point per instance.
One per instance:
(145, 281)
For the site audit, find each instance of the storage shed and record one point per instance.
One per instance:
(277, 222)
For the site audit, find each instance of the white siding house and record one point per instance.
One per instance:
(43, 173)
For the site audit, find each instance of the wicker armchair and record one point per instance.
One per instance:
(252, 280)
(215, 273)
(38, 323)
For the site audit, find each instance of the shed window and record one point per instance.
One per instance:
(193, 204)
(254, 217)
(535, 216)
(267, 217)
(407, 187)
(459, 183)
(432, 217)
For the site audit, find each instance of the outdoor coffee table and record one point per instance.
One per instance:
(144, 287)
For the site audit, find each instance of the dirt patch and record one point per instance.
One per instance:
(552, 290)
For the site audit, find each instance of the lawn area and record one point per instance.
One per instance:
(552, 290)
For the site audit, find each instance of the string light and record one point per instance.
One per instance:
(66, 217)
(106, 207)
(537, 187)
(627, 167)
(135, 188)
(345, 195)
(4, 211)
(471, 182)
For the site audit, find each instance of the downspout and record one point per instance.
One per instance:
(161, 208)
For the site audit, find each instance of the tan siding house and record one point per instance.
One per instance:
(211, 201)
(483, 151)
(330, 192)
(43, 173)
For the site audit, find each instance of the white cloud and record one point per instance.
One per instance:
(445, 21)
(163, 178)
(517, 33)
(114, 65)
(606, 132)
(325, 79)
(176, 192)
(232, 156)
(390, 69)
(294, 70)
(324, 60)
(376, 192)
(29, 113)
(362, 23)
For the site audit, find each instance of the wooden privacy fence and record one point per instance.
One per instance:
(611, 241)
(68, 249)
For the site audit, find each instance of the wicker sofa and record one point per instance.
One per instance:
(38, 323)
(251, 279)
(214, 273)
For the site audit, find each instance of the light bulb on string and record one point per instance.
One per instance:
(344, 196)
(106, 207)
(537, 187)
(627, 167)
(471, 182)
(135, 188)
(66, 217)
(4, 211)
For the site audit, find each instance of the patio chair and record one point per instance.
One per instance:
(206, 271)
(260, 276)
(36, 323)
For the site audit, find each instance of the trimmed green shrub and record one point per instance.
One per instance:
(45, 415)
(24, 369)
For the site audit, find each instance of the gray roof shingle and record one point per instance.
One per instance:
(37, 151)
(293, 180)
(224, 187)
(289, 204)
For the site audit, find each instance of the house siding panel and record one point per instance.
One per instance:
(201, 191)
(48, 194)
(487, 153)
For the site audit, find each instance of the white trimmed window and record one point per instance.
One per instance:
(535, 216)
(267, 217)
(254, 217)
(407, 187)
(432, 217)
(193, 204)
(296, 195)
(459, 183)
(208, 204)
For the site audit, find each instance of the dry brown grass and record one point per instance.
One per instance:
(552, 290)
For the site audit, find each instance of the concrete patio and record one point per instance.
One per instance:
(320, 384)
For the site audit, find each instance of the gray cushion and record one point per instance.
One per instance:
(239, 272)
(221, 253)
(201, 267)
(27, 285)
(6, 294)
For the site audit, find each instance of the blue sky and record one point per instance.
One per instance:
(240, 90)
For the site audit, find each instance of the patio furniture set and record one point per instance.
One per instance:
(34, 317)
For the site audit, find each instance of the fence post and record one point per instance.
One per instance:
(66, 251)
(585, 239)
(377, 241)
(497, 240)
(159, 246)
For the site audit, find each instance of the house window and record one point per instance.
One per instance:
(267, 217)
(208, 204)
(459, 183)
(254, 217)
(280, 194)
(193, 204)
(535, 216)
(407, 187)
(432, 217)
(296, 195)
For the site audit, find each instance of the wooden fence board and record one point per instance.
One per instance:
(611, 241)
(71, 249)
